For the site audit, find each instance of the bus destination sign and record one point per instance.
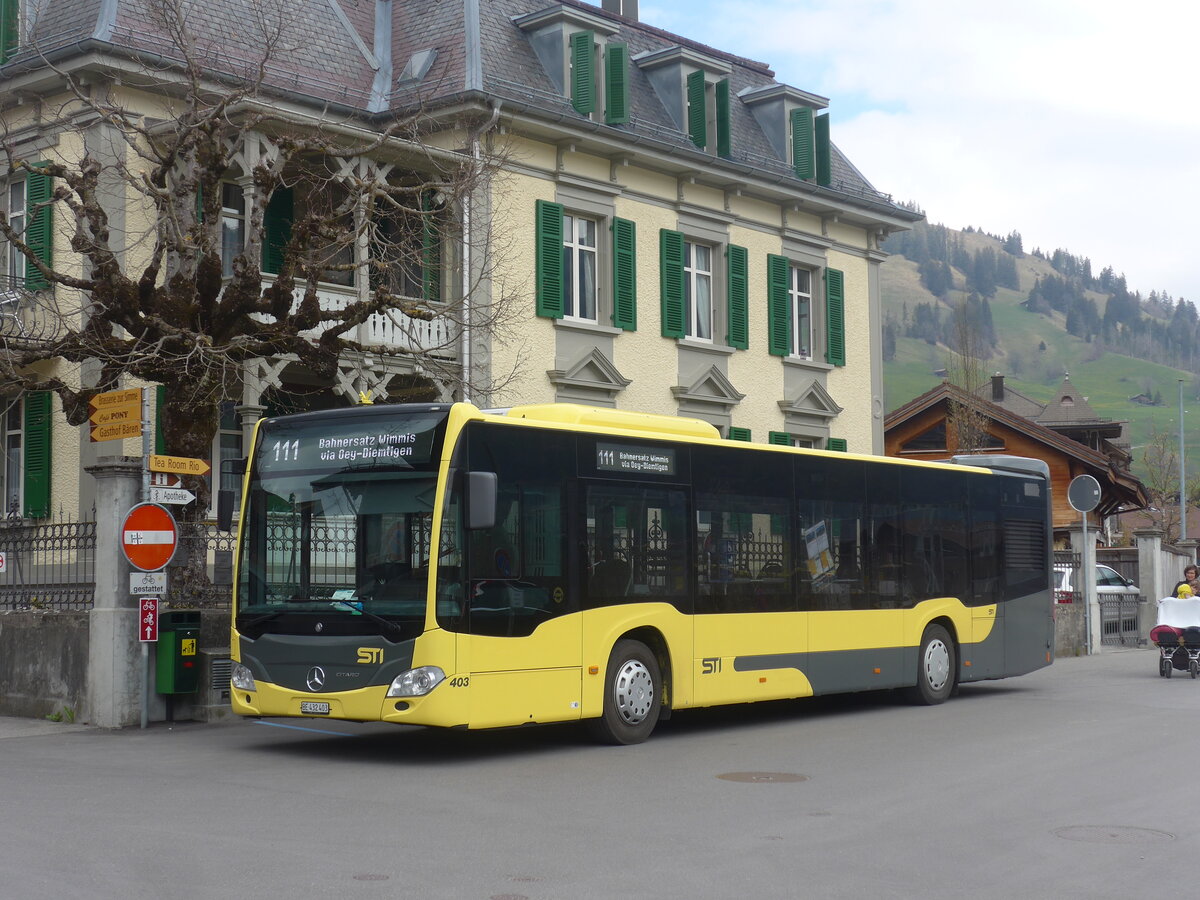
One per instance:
(353, 445)
(645, 460)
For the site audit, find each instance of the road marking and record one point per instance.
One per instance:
(302, 728)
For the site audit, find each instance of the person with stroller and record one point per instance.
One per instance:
(1191, 577)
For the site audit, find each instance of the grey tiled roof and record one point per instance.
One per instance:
(319, 59)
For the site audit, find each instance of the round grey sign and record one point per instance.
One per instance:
(1084, 493)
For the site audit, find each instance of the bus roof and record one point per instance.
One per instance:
(603, 417)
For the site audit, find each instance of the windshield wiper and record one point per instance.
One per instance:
(387, 624)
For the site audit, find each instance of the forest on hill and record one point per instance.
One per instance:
(1035, 317)
(972, 270)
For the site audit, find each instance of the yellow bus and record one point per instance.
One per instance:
(442, 565)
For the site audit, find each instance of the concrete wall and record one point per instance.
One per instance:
(1070, 629)
(43, 662)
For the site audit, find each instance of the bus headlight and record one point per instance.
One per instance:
(416, 682)
(241, 678)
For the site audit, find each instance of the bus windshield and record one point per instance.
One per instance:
(338, 523)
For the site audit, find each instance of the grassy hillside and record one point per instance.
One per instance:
(1033, 351)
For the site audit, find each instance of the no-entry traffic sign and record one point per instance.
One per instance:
(149, 536)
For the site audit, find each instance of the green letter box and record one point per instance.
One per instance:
(178, 665)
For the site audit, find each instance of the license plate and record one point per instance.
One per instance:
(314, 708)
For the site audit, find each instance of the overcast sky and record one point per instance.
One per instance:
(1074, 123)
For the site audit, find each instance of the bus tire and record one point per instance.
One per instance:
(632, 695)
(936, 666)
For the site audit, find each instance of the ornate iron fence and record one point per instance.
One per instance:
(48, 566)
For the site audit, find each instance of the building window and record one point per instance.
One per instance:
(800, 307)
(11, 433)
(16, 221)
(697, 290)
(227, 445)
(406, 251)
(579, 268)
(568, 277)
(233, 226)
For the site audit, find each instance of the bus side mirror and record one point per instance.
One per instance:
(481, 500)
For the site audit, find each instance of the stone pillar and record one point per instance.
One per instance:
(1153, 582)
(114, 693)
(1086, 548)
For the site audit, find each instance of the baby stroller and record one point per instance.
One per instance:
(1177, 634)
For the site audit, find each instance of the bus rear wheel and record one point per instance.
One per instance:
(632, 695)
(936, 664)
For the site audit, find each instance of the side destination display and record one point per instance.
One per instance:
(626, 458)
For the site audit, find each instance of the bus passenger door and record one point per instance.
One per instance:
(522, 642)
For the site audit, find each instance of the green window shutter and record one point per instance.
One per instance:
(821, 136)
(39, 232)
(780, 438)
(431, 251)
(160, 439)
(616, 84)
(37, 454)
(624, 274)
(724, 140)
(779, 313)
(277, 229)
(9, 24)
(838, 445)
(670, 262)
(697, 118)
(583, 72)
(549, 282)
(739, 434)
(803, 152)
(835, 317)
(738, 270)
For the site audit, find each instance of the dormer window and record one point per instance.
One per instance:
(694, 89)
(797, 130)
(585, 67)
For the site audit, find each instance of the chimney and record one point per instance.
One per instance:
(626, 8)
(997, 388)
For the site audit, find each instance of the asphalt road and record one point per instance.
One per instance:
(1076, 781)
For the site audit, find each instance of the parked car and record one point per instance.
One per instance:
(1109, 582)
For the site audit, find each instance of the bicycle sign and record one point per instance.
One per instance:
(148, 584)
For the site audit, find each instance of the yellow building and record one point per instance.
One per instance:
(668, 229)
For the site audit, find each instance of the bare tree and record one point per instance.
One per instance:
(1160, 461)
(166, 192)
(965, 370)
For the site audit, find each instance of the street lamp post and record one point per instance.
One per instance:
(1182, 472)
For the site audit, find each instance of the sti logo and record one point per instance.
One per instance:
(370, 655)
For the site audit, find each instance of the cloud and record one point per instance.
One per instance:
(1068, 121)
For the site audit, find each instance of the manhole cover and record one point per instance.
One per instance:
(762, 777)
(1112, 834)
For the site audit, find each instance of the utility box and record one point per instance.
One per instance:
(177, 669)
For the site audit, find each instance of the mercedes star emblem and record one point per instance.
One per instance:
(316, 678)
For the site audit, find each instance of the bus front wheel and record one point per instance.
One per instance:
(632, 695)
(935, 668)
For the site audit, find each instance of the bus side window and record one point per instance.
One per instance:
(635, 547)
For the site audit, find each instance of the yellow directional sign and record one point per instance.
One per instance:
(114, 431)
(179, 465)
(109, 399)
(130, 413)
(116, 415)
